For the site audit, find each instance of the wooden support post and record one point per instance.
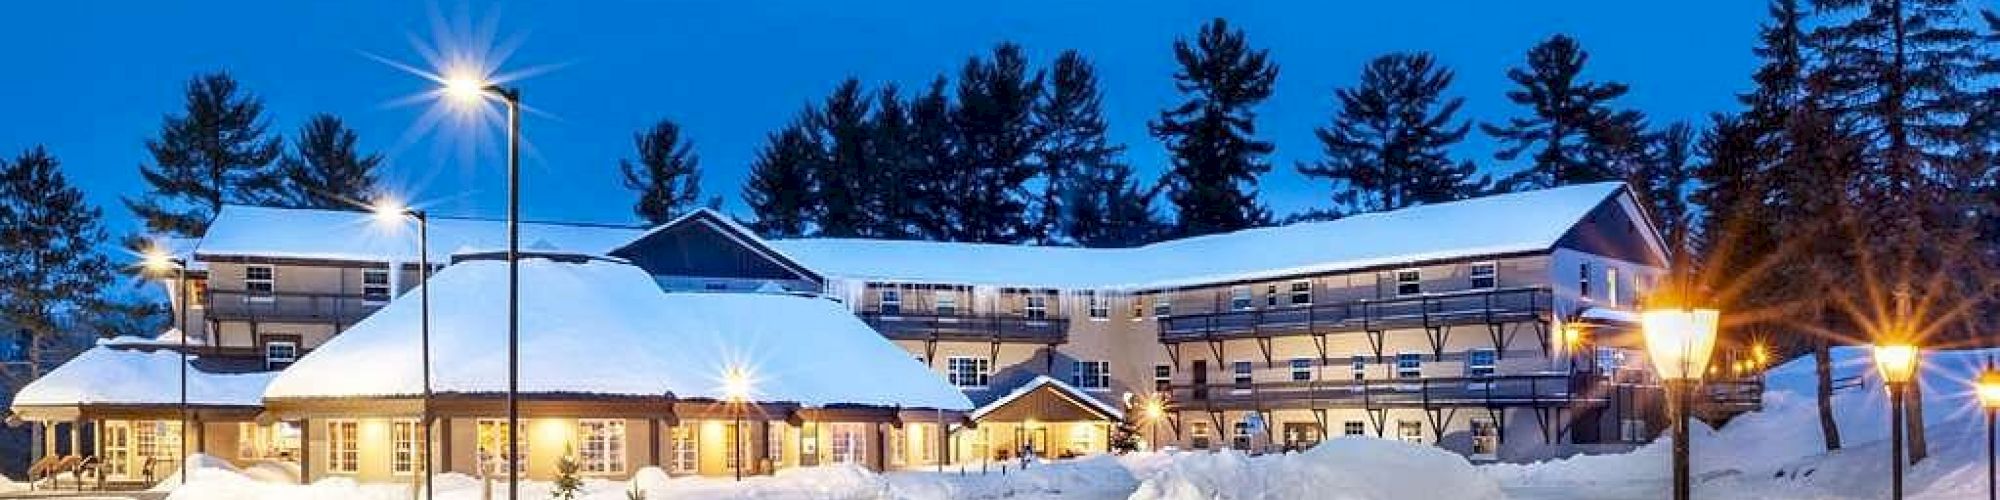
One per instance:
(76, 437)
(306, 451)
(443, 434)
(653, 431)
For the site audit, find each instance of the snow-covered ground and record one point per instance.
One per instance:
(1773, 454)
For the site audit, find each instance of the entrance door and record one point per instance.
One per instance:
(117, 449)
(1200, 379)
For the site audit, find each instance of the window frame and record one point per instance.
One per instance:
(1080, 377)
(1301, 296)
(1163, 378)
(1163, 305)
(1415, 365)
(944, 302)
(1301, 368)
(343, 446)
(375, 294)
(271, 362)
(1098, 306)
(1404, 434)
(612, 458)
(256, 289)
(1354, 428)
(1241, 298)
(982, 372)
(1409, 282)
(405, 448)
(500, 429)
(1487, 369)
(1489, 443)
(1242, 376)
(889, 301)
(1491, 275)
(1035, 306)
(1611, 286)
(684, 449)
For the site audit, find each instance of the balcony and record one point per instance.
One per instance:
(288, 306)
(1471, 307)
(1528, 390)
(982, 328)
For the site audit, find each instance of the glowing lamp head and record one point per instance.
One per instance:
(158, 261)
(737, 384)
(1679, 341)
(464, 87)
(388, 210)
(1897, 363)
(1154, 408)
(1989, 388)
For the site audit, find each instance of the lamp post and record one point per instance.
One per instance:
(472, 89)
(157, 261)
(1989, 400)
(736, 387)
(1154, 409)
(1679, 341)
(1897, 364)
(388, 211)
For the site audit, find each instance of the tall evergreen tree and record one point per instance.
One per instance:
(780, 191)
(1074, 146)
(897, 196)
(934, 175)
(1662, 181)
(325, 169)
(667, 174)
(1216, 159)
(996, 140)
(49, 264)
(1108, 207)
(1573, 132)
(1388, 146)
(847, 178)
(216, 152)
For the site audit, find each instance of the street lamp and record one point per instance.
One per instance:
(157, 262)
(1679, 341)
(1897, 364)
(736, 388)
(1153, 409)
(1989, 399)
(389, 211)
(466, 88)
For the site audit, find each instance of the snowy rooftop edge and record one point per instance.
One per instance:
(106, 375)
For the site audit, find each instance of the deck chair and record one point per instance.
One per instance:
(40, 470)
(89, 465)
(146, 470)
(67, 464)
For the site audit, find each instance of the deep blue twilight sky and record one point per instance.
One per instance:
(91, 80)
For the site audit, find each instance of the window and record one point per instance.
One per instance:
(117, 452)
(1485, 439)
(1485, 275)
(896, 445)
(1610, 360)
(686, 458)
(1302, 369)
(1302, 293)
(1239, 298)
(159, 440)
(1271, 296)
(375, 286)
(343, 446)
(1100, 306)
(1198, 435)
(1479, 363)
(847, 442)
(1611, 286)
(1036, 307)
(889, 301)
(809, 444)
(1163, 378)
(492, 451)
(1409, 282)
(603, 450)
(1241, 370)
(259, 283)
(730, 446)
(1409, 365)
(1583, 280)
(968, 372)
(1090, 374)
(945, 303)
(1138, 307)
(1354, 428)
(1300, 435)
(280, 353)
(199, 290)
(774, 443)
(1239, 435)
(1360, 368)
(1082, 439)
(1410, 431)
(1163, 305)
(926, 448)
(1632, 430)
(404, 450)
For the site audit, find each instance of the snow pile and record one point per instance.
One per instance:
(1096, 477)
(802, 350)
(9, 486)
(1342, 468)
(106, 375)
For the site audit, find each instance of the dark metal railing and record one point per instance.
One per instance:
(288, 306)
(1450, 308)
(1495, 391)
(981, 327)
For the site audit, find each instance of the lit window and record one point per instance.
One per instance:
(1479, 363)
(1301, 369)
(895, 450)
(1100, 305)
(1241, 370)
(280, 353)
(1485, 275)
(259, 283)
(1409, 282)
(1302, 293)
(686, 456)
(1632, 430)
(889, 301)
(603, 450)
(403, 447)
(1239, 298)
(1611, 286)
(1036, 307)
(1485, 439)
(375, 286)
(1583, 280)
(1138, 307)
(1198, 435)
(847, 442)
(1410, 431)
(1090, 374)
(968, 372)
(1409, 365)
(1354, 428)
(946, 303)
(730, 447)
(920, 434)
(343, 446)
(492, 450)
(1163, 378)
(774, 443)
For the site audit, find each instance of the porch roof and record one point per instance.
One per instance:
(1043, 391)
(109, 376)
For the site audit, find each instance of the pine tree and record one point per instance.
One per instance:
(49, 264)
(214, 153)
(846, 179)
(996, 140)
(1388, 146)
(897, 195)
(1574, 134)
(935, 174)
(1073, 146)
(568, 483)
(1215, 158)
(1109, 208)
(667, 174)
(780, 191)
(1662, 181)
(325, 170)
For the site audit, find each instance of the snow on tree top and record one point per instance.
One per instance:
(602, 327)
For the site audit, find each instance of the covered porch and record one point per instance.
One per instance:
(1042, 418)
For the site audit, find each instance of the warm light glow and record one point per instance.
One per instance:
(157, 260)
(1572, 336)
(1989, 389)
(1896, 362)
(464, 86)
(1760, 353)
(1154, 408)
(1680, 341)
(737, 384)
(388, 211)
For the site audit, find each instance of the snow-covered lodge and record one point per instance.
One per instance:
(1498, 327)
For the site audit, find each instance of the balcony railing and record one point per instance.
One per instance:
(1552, 389)
(1452, 308)
(288, 306)
(984, 327)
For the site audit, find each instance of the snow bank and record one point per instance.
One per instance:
(1096, 477)
(1342, 468)
(9, 486)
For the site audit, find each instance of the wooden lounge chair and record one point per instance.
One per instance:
(146, 471)
(66, 465)
(89, 465)
(40, 470)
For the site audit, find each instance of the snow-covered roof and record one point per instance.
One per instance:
(171, 337)
(1501, 224)
(1069, 392)
(105, 375)
(249, 231)
(1609, 315)
(606, 328)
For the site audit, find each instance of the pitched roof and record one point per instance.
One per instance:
(106, 375)
(606, 328)
(250, 231)
(1065, 391)
(1493, 225)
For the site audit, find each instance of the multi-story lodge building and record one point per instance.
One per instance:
(1498, 327)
